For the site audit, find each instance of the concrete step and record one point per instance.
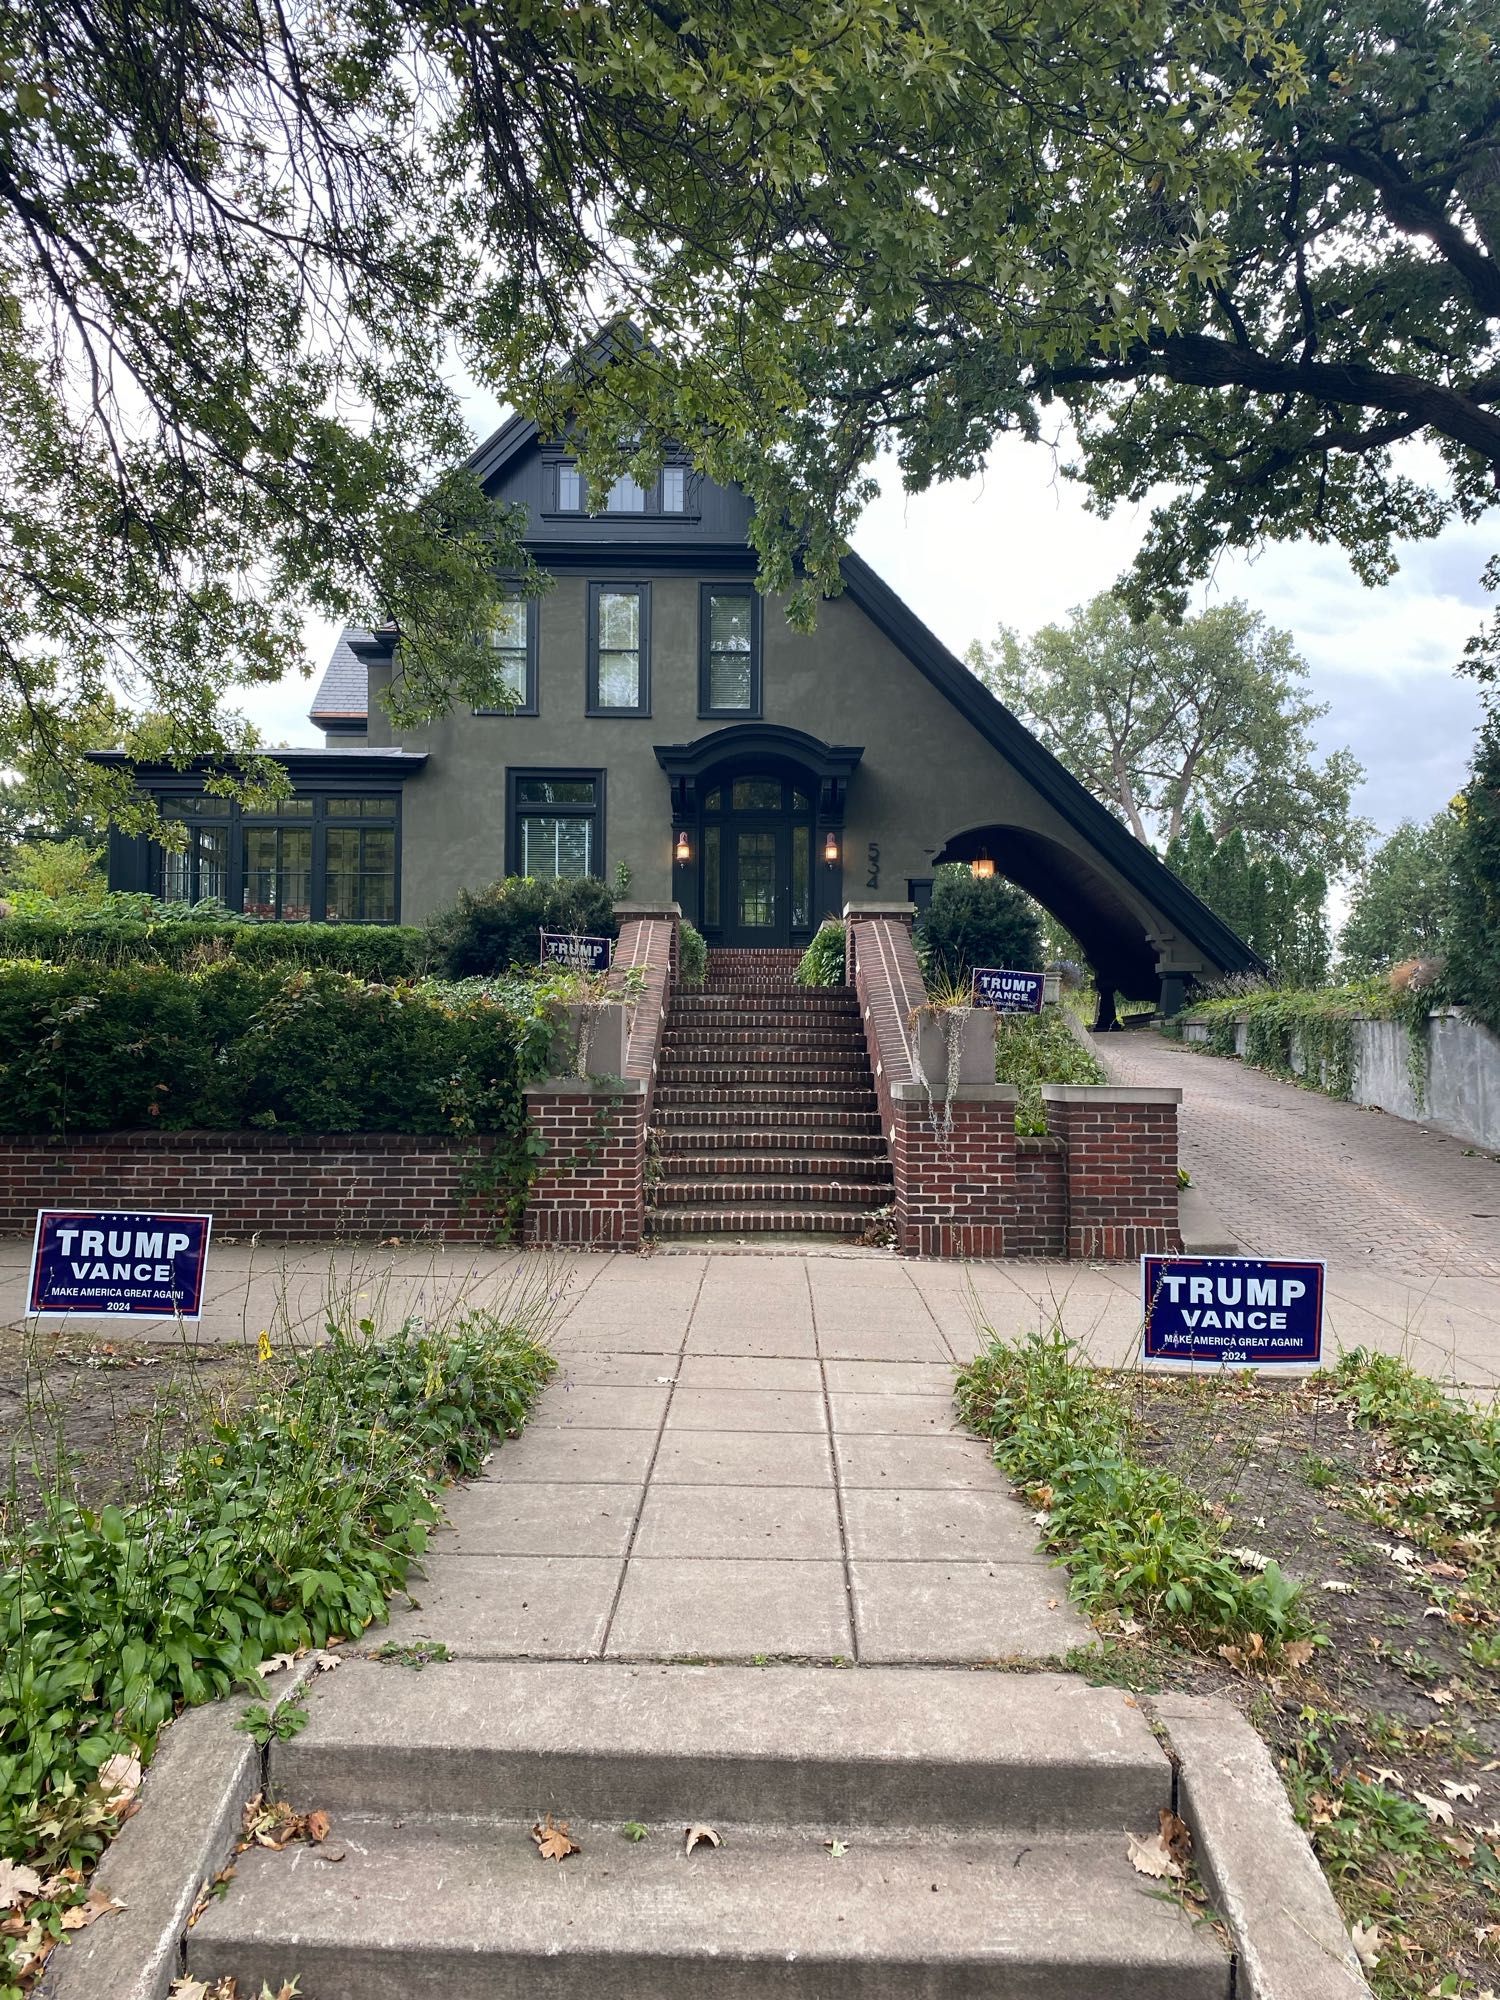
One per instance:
(451, 1910)
(743, 1067)
(761, 1219)
(888, 1747)
(829, 1192)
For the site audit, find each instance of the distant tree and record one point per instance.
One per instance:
(1401, 903)
(1162, 720)
(1473, 975)
(1277, 908)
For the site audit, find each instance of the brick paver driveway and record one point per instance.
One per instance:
(1291, 1172)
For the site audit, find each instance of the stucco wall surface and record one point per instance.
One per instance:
(926, 775)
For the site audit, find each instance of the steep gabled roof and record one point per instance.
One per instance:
(1188, 913)
(344, 692)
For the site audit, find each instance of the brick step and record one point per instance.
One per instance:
(733, 1137)
(768, 1166)
(826, 1193)
(762, 1219)
(820, 1067)
(804, 999)
(772, 1115)
(791, 1096)
(764, 1040)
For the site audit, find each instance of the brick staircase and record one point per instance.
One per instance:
(765, 1117)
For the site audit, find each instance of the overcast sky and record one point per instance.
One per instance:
(1018, 547)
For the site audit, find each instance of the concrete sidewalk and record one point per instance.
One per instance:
(790, 1305)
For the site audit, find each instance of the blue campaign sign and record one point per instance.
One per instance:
(579, 954)
(1232, 1312)
(120, 1263)
(1009, 992)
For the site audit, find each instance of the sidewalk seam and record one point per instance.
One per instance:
(833, 1457)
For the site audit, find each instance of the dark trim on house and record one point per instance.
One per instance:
(531, 705)
(706, 710)
(333, 764)
(1186, 912)
(516, 774)
(618, 587)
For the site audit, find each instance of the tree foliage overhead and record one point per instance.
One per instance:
(1401, 903)
(1248, 247)
(1161, 720)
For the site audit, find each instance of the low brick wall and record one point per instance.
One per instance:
(1039, 1218)
(1101, 1184)
(299, 1187)
(591, 1190)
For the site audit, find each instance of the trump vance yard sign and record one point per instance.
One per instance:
(1264, 1313)
(118, 1262)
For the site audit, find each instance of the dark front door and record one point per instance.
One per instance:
(759, 885)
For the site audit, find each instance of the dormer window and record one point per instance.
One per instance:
(671, 492)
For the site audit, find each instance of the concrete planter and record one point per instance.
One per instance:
(975, 1046)
(589, 1038)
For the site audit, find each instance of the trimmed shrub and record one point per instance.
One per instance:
(493, 929)
(371, 951)
(90, 1048)
(823, 962)
(692, 957)
(1033, 1049)
(972, 922)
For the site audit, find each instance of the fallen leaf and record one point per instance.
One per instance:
(1387, 1776)
(1297, 1652)
(551, 1837)
(324, 1663)
(1445, 1569)
(1468, 1793)
(99, 1904)
(317, 1825)
(1401, 1555)
(275, 1664)
(1442, 1696)
(1165, 1854)
(120, 1775)
(188, 1989)
(691, 1835)
(1339, 1588)
(837, 1848)
(1249, 1558)
(1434, 1611)
(1437, 1810)
(1367, 1942)
(16, 1881)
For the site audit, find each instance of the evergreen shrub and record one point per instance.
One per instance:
(90, 1048)
(370, 951)
(976, 922)
(692, 957)
(491, 930)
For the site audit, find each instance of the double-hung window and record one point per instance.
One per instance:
(619, 669)
(513, 641)
(556, 823)
(729, 650)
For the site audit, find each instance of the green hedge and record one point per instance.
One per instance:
(1033, 1049)
(91, 1048)
(371, 951)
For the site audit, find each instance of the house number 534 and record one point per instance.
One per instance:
(872, 854)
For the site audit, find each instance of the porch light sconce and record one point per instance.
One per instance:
(683, 851)
(831, 848)
(982, 868)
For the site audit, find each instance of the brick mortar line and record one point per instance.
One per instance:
(635, 1526)
(833, 1460)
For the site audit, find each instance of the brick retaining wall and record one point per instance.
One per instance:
(1102, 1183)
(293, 1187)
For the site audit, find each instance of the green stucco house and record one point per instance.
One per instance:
(668, 718)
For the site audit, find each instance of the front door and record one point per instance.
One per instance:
(759, 886)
